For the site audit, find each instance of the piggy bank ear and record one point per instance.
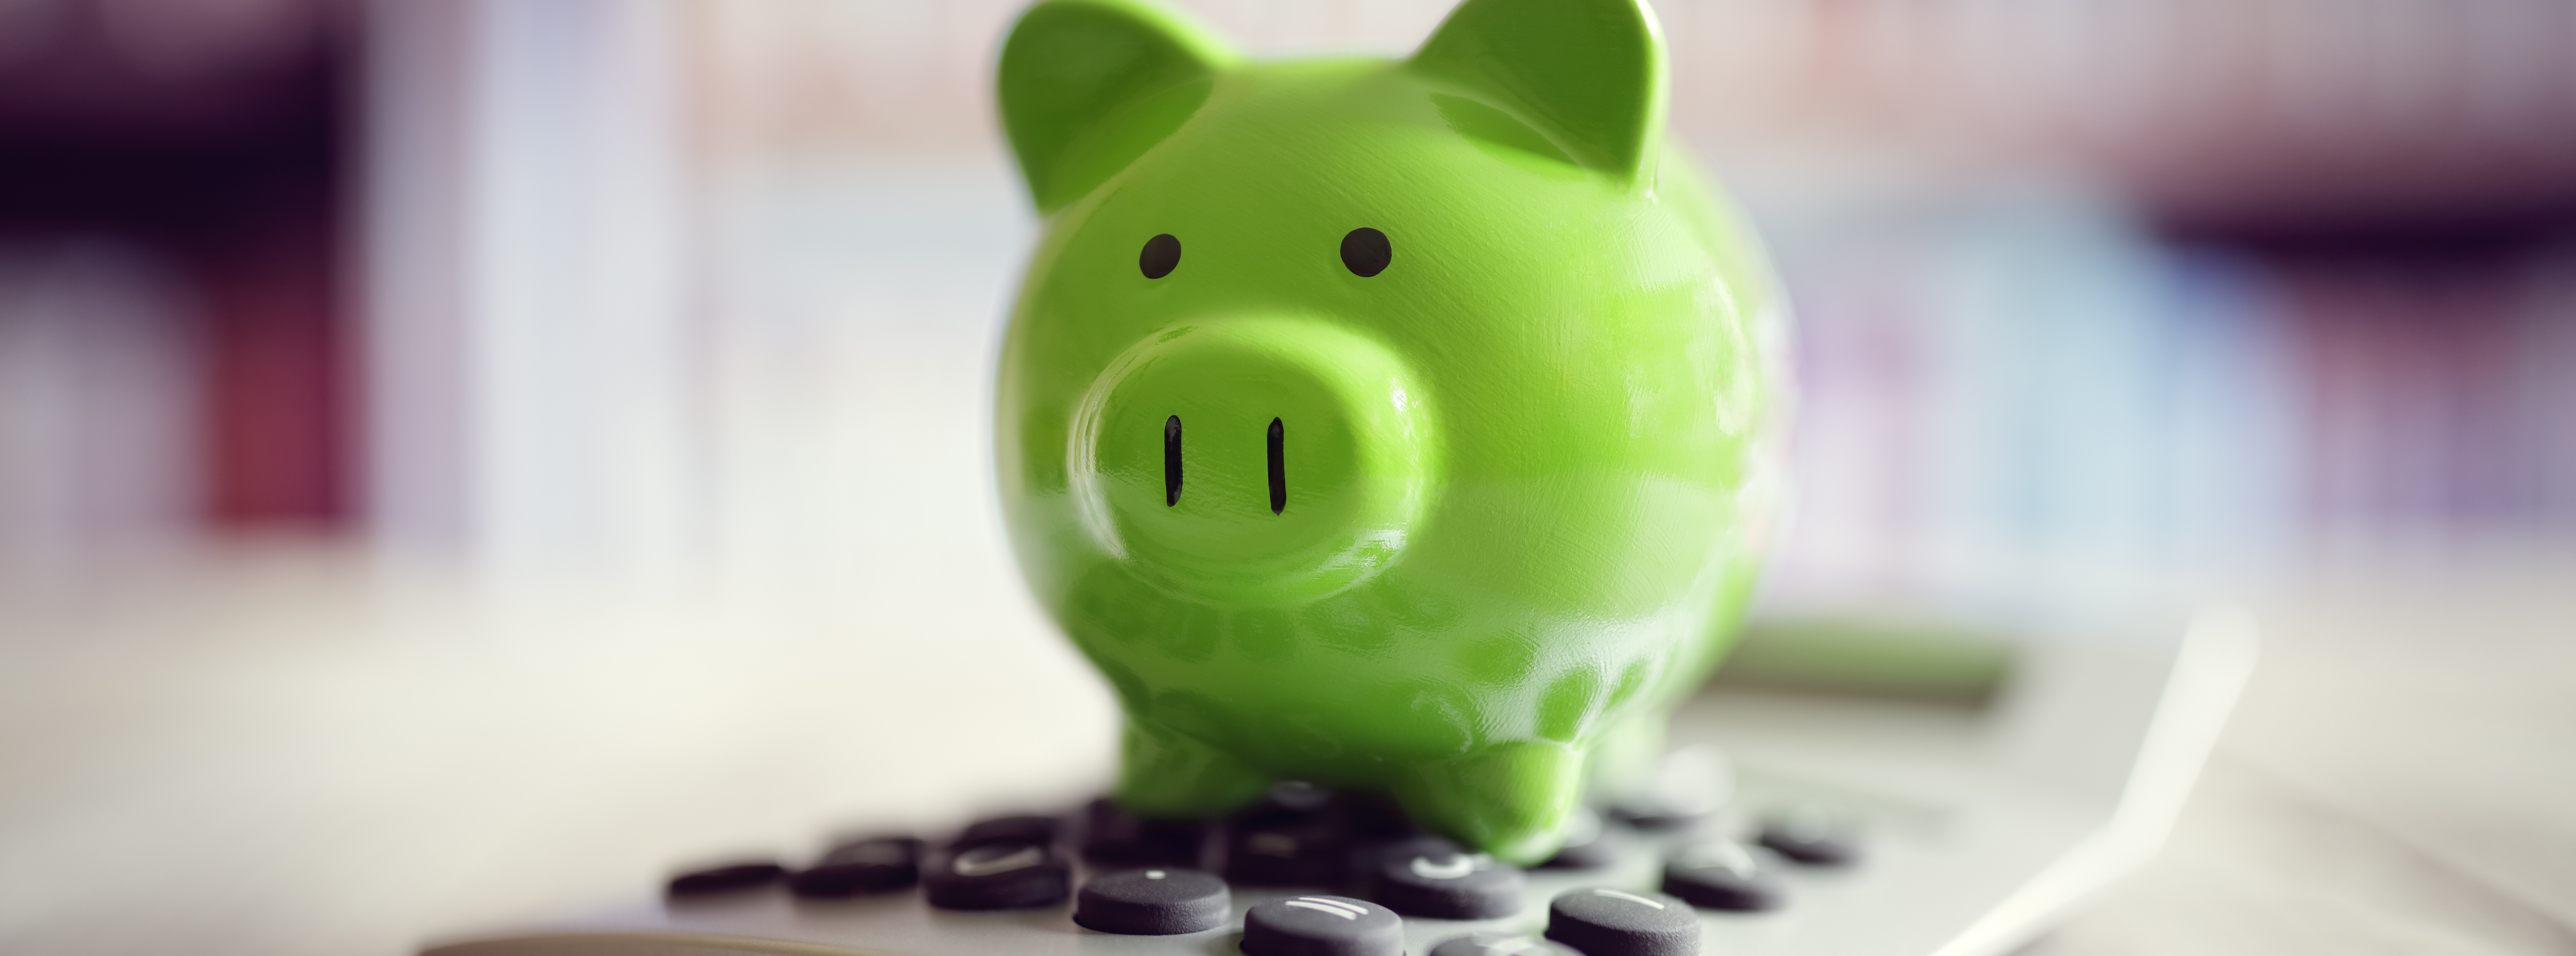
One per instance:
(1589, 72)
(1087, 86)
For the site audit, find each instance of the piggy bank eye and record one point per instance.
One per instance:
(1365, 252)
(1162, 254)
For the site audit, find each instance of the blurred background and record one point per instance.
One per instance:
(460, 457)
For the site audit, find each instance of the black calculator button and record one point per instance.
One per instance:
(998, 876)
(1590, 844)
(1322, 926)
(1448, 884)
(1154, 901)
(1608, 922)
(1499, 944)
(1688, 787)
(1114, 837)
(1811, 839)
(1023, 829)
(879, 851)
(1374, 816)
(1722, 876)
(1365, 857)
(1295, 796)
(1663, 815)
(877, 865)
(1285, 852)
(1296, 835)
(726, 879)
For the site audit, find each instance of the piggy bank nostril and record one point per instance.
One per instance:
(1278, 467)
(1366, 252)
(1161, 255)
(1172, 461)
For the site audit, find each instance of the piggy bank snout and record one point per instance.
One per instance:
(1252, 460)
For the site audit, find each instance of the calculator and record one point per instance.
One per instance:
(1847, 787)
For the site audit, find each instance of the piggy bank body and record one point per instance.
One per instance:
(1403, 425)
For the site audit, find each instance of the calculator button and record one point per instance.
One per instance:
(1322, 926)
(1114, 837)
(1285, 853)
(1020, 829)
(726, 879)
(1690, 785)
(1155, 901)
(1448, 884)
(1811, 838)
(877, 865)
(1722, 876)
(1365, 857)
(1608, 922)
(998, 876)
(1499, 944)
(1590, 844)
(1295, 796)
(1374, 816)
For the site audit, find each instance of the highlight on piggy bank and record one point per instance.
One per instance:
(1401, 425)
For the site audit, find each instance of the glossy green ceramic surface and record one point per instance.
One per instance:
(1520, 474)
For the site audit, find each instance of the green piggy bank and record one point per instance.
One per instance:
(1399, 425)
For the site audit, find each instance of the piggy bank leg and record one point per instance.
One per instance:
(1163, 773)
(1512, 800)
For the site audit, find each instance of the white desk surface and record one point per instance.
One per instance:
(287, 753)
